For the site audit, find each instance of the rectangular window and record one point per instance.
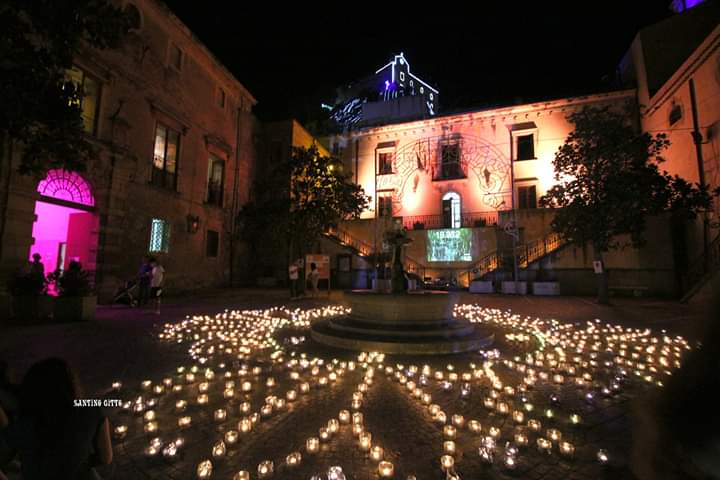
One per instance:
(385, 163)
(221, 98)
(525, 147)
(165, 157)
(384, 206)
(450, 167)
(176, 57)
(216, 181)
(213, 244)
(527, 197)
(159, 236)
(89, 92)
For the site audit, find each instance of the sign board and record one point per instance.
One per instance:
(322, 262)
(597, 266)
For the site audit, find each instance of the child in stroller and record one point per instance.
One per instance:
(128, 294)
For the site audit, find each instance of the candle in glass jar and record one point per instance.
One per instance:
(202, 399)
(365, 441)
(447, 462)
(376, 453)
(474, 426)
(449, 431)
(204, 469)
(333, 425)
(518, 416)
(220, 414)
(312, 445)
(184, 422)
(521, 439)
(458, 421)
(324, 434)
(242, 475)
(554, 434)
(293, 459)
(534, 425)
(219, 450)
(265, 469)
(203, 387)
(344, 416)
(544, 444)
(449, 447)
(567, 449)
(245, 425)
(120, 431)
(149, 416)
(231, 437)
(151, 427)
(386, 469)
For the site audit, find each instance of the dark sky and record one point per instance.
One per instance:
(488, 54)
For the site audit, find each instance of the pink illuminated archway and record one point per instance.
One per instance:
(68, 186)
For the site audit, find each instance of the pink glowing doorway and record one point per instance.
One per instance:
(66, 225)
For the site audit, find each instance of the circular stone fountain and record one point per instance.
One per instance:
(408, 323)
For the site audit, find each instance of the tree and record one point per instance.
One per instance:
(40, 106)
(299, 199)
(609, 183)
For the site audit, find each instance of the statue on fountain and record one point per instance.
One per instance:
(398, 239)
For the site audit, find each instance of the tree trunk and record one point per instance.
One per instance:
(602, 278)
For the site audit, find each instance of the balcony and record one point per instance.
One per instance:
(468, 220)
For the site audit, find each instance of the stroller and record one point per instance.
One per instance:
(128, 294)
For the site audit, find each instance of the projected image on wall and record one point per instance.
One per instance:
(449, 245)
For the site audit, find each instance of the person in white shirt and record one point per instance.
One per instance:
(156, 282)
(294, 276)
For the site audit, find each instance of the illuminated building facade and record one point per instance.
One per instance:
(173, 131)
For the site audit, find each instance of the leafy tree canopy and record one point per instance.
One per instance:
(300, 199)
(40, 107)
(609, 181)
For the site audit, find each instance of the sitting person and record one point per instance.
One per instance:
(54, 439)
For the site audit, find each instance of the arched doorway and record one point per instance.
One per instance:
(66, 224)
(451, 210)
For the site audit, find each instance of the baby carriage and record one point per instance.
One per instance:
(128, 294)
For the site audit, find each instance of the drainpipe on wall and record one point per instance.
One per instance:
(233, 208)
(697, 140)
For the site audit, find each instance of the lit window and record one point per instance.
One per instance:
(216, 177)
(384, 163)
(402, 76)
(431, 96)
(525, 147)
(159, 236)
(384, 206)
(676, 113)
(451, 210)
(176, 57)
(89, 93)
(422, 89)
(213, 244)
(165, 157)
(527, 197)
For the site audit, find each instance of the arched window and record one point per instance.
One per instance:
(451, 210)
(68, 186)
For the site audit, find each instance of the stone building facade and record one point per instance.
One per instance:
(173, 130)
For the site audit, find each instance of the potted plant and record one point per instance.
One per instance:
(76, 300)
(30, 301)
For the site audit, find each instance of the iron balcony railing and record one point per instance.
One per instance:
(470, 219)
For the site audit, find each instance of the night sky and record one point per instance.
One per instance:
(292, 59)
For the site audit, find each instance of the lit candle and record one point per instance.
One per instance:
(494, 432)
(544, 444)
(333, 425)
(146, 384)
(231, 437)
(151, 427)
(120, 431)
(449, 431)
(184, 422)
(312, 445)
(291, 395)
(202, 399)
(220, 415)
(245, 425)
(149, 416)
(204, 469)
(534, 425)
(567, 449)
(265, 469)
(170, 451)
(518, 416)
(304, 387)
(365, 441)
(474, 426)
(447, 462)
(219, 450)
(449, 447)
(554, 434)
(245, 407)
(603, 457)
(510, 462)
(242, 475)
(116, 385)
(386, 469)
(324, 435)
(180, 406)
(458, 421)
(344, 416)
(229, 393)
(376, 453)
(293, 459)
(357, 418)
(521, 439)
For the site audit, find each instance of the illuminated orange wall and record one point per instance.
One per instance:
(485, 137)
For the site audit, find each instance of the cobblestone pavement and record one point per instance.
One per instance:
(123, 345)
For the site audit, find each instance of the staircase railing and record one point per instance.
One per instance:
(364, 249)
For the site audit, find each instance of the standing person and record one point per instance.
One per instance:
(144, 276)
(37, 273)
(156, 281)
(55, 438)
(313, 277)
(294, 276)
